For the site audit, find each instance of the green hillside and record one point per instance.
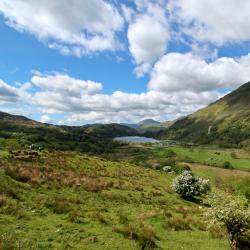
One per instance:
(225, 122)
(119, 198)
(75, 201)
(16, 132)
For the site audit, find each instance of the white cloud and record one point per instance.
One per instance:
(45, 119)
(84, 101)
(148, 35)
(127, 12)
(142, 69)
(8, 93)
(81, 101)
(74, 27)
(63, 84)
(125, 107)
(179, 85)
(215, 21)
(147, 44)
(176, 72)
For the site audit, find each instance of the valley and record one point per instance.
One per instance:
(113, 186)
(114, 200)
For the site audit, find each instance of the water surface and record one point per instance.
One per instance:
(139, 139)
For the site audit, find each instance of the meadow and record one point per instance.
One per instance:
(69, 200)
(238, 158)
(148, 153)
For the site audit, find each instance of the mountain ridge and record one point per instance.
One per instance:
(226, 121)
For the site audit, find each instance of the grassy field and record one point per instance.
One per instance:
(148, 154)
(77, 201)
(214, 157)
(3, 153)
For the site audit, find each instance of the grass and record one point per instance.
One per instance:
(77, 201)
(210, 156)
(213, 156)
(4, 153)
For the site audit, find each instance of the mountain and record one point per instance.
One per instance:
(148, 122)
(16, 119)
(149, 127)
(145, 122)
(225, 122)
(19, 131)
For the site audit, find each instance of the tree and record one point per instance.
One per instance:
(188, 186)
(231, 212)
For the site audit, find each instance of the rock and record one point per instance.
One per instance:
(156, 166)
(167, 168)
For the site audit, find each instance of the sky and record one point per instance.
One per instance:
(101, 61)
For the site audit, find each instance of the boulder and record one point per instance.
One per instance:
(167, 169)
(156, 166)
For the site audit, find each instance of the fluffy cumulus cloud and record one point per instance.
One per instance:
(147, 38)
(215, 21)
(89, 26)
(175, 72)
(65, 85)
(84, 102)
(11, 94)
(148, 35)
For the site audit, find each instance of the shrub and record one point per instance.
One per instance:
(178, 169)
(230, 212)
(170, 153)
(227, 165)
(188, 186)
(234, 155)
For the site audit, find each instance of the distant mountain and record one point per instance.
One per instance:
(150, 127)
(148, 122)
(225, 122)
(141, 123)
(95, 138)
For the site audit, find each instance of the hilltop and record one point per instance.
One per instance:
(225, 122)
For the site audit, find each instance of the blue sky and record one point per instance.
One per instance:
(77, 62)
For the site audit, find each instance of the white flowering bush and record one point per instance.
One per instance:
(233, 213)
(188, 186)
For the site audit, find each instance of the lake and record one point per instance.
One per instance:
(139, 139)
